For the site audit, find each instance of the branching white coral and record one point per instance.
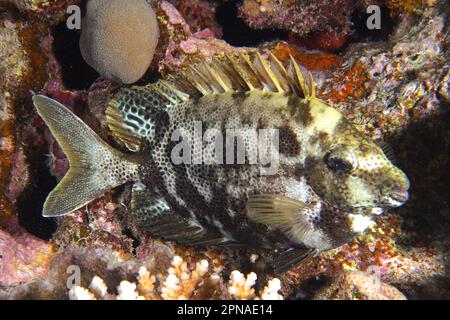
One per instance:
(127, 291)
(80, 293)
(241, 286)
(98, 287)
(180, 283)
(147, 284)
(270, 291)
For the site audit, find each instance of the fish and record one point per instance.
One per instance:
(236, 151)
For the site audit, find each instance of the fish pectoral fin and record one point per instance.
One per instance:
(388, 151)
(282, 213)
(151, 213)
(292, 257)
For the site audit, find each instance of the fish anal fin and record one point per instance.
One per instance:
(153, 214)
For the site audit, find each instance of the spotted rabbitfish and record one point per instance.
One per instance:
(328, 183)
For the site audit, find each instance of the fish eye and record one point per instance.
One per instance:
(341, 159)
(338, 164)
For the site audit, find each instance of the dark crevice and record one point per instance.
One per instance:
(31, 201)
(363, 34)
(237, 33)
(308, 288)
(136, 242)
(76, 73)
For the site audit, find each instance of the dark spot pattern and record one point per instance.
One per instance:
(289, 143)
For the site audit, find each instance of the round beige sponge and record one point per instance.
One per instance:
(119, 38)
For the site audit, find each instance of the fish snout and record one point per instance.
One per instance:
(397, 197)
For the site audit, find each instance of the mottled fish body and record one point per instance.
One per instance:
(305, 179)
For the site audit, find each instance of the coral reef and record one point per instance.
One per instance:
(21, 70)
(118, 39)
(54, 11)
(200, 14)
(183, 46)
(330, 20)
(396, 90)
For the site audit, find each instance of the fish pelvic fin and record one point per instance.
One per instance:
(95, 167)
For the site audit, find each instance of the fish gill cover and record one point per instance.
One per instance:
(101, 197)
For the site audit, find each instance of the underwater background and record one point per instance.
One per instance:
(392, 81)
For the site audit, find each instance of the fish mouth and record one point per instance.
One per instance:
(370, 211)
(376, 211)
(396, 198)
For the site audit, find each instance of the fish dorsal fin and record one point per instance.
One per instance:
(130, 112)
(246, 72)
(281, 213)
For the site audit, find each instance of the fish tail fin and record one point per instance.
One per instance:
(95, 167)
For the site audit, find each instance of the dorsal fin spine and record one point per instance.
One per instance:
(299, 77)
(250, 70)
(191, 74)
(161, 92)
(292, 85)
(217, 77)
(312, 84)
(238, 68)
(269, 72)
(181, 95)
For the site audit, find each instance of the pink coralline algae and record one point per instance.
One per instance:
(23, 257)
(200, 14)
(185, 46)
